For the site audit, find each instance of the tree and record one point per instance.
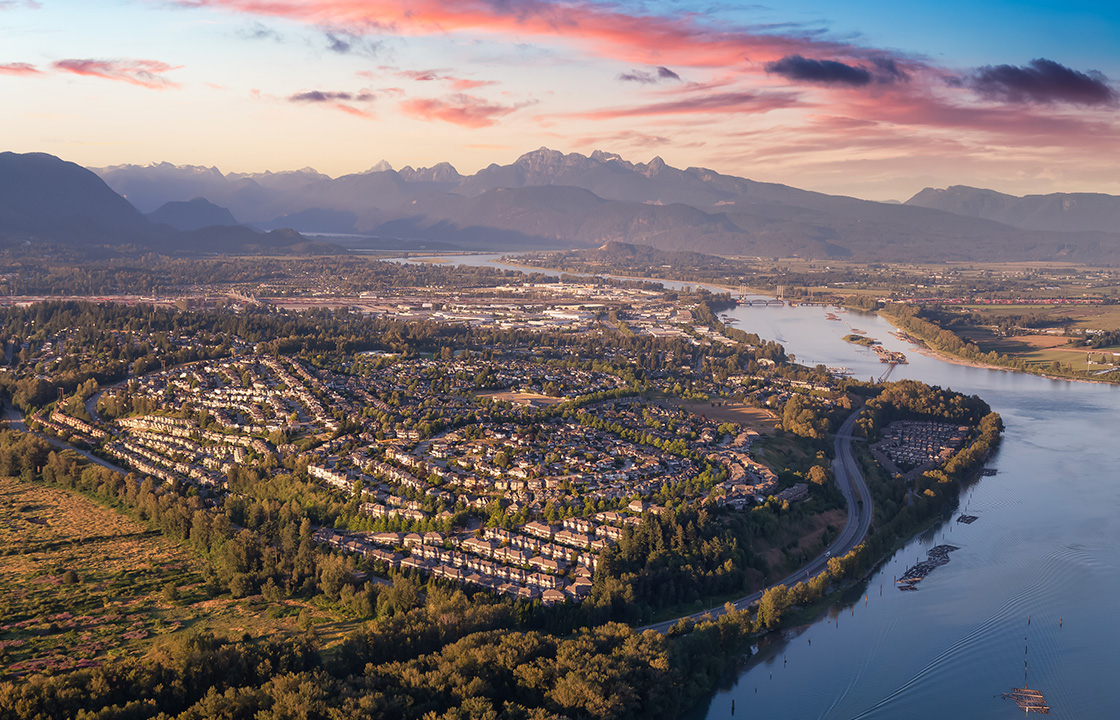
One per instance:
(772, 606)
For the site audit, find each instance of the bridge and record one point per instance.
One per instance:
(761, 302)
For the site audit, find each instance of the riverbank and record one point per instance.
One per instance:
(924, 349)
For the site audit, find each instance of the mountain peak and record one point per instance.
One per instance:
(440, 172)
(539, 156)
(603, 156)
(1063, 212)
(381, 166)
(655, 166)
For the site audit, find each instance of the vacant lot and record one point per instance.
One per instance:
(1015, 345)
(750, 418)
(797, 545)
(522, 398)
(81, 583)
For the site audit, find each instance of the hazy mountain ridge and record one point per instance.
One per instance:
(1062, 212)
(547, 198)
(192, 215)
(50, 203)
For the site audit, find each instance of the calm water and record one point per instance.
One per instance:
(1045, 546)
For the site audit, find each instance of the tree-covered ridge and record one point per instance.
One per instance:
(911, 399)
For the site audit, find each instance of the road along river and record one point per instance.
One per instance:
(1046, 545)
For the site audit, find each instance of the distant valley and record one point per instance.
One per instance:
(544, 200)
(551, 199)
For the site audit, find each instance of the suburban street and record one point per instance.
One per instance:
(851, 483)
(14, 418)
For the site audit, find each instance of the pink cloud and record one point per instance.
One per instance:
(712, 104)
(457, 84)
(145, 73)
(459, 109)
(609, 32)
(461, 84)
(19, 69)
(998, 122)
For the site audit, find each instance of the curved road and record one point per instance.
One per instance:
(10, 414)
(850, 481)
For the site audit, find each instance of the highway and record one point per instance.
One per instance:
(850, 480)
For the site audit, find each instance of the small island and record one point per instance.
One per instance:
(860, 340)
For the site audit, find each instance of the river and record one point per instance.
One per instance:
(1045, 546)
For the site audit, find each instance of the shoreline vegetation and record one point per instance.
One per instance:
(860, 340)
(652, 265)
(968, 354)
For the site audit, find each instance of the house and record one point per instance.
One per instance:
(553, 596)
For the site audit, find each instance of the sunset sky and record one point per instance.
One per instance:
(871, 98)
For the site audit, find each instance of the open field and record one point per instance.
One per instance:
(748, 417)
(784, 450)
(1038, 349)
(522, 398)
(1014, 345)
(81, 583)
(1080, 317)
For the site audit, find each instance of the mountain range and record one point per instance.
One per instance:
(50, 205)
(551, 199)
(545, 199)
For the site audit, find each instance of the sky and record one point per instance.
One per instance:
(870, 98)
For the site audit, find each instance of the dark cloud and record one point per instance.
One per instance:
(1042, 81)
(332, 39)
(649, 77)
(828, 72)
(338, 44)
(888, 70)
(260, 31)
(319, 96)
(638, 76)
(345, 43)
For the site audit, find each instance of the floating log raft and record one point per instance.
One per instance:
(967, 519)
(906, 337)
(938, 556)
(890, 356)
(1028, 700)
